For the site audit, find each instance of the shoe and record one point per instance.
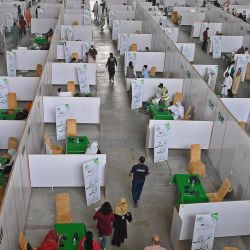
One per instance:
(135, 204)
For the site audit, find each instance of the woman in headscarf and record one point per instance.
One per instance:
(236, 81)
(122, 215)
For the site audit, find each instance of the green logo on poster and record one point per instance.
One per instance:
(211, 104)
(221, 117)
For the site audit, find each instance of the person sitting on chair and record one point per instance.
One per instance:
(161, 95)
(73, 60)
(177, 111)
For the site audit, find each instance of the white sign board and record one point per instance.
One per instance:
(187, 51)
(242, 62)
(116, 29)
(161, 138)
(137, 93)
(4, 94)
(216, 43)
(9, 21)
(204, 231)
(69, 33)
(67, 55)
(11, 63)
(82, 73)
(125, 43)
(92, 181)
(130, 57)
(62, 115)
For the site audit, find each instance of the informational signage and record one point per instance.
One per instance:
(67, 54)
(187, 51)
(11, 63)
(242, 61)
(9, 21)
(221, 117)
(116, 29)
(164, 21)
(85, 47)
(216, 46)
(211, 104)
(130, 57)
(62, 115)
(161, 141)
(124, 43)
(82, 73)
(4, 94)
(204, 231)
(69, 33)
(92, 181)
(137, 93)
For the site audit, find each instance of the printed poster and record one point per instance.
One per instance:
(129, 56)
(9, 21)
(92, 181)
(62, 115)
(204, 231)
(161, 141)
(124, 43)
(69, 33)
(164, 21)
(137, 93)
(187, 51)
(216, 46)
(4, 94)
(67, 54)
(82, 73)
(11, 63)
(242, 61)
(116, 29)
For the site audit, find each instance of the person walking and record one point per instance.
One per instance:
(102, 21)
(111, 64)
(15, 34)
(227, 84)
(105, 219)
(155, 244)
(122, 215)
(139, 172)
(22, 28)
(87, 242)
(236, 81)
(95, 10)
(205, 39)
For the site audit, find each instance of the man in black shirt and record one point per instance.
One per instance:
(111, 64)
(139, 172)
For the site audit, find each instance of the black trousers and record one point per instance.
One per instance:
(111, 73)
(204, 45)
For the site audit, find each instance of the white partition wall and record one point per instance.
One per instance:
(69, 19)
(182, 133)
(142, 41)
(149, 58)
(28, 59)
(188, 18)
(42, 25)
(10, 128)
(83, 109)
(120, 15)
(199, 27)
(62, 170)
(64, 72)
(81, 33)
(187, 49)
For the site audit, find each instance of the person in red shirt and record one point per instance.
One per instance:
(105, 219)
(205, 38)
(22, 28)
(87, 242)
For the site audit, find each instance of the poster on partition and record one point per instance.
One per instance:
(40, 13)
(216, 46)
(137, 93)
(87, 19)
(9, 21)
(67, 54)
(11, 63)
(161, 142)
(130, 57)
(203, 28)
(69, 33)
(83, 78)
(211, 74)
(85, 48)
(4, 94)
(187, 51)
(170, 32)
(92, 181)
(62, 115)
(116, 29)
(242, 61)
(204, 231)
(164, 21)
(124, 43)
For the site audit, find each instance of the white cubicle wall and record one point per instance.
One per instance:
(42, 25)
(84, 109)
(10, 128)
(150, 59)
(120, 15)
(69, 19)
(64, 72)
(49, 11)
(188, 18)
(62, 170)
(187, 50)
(126, 40)
(24, 87)
(81, 33)
(28, 59)
(182, 133)
(172, 33)
(120, 7)
(199, 27)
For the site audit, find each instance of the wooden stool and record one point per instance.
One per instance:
(71, 87)
(71, 127)
(56, 150)
(63, 213)
(12, 101)
(12, 143)
(39, 70)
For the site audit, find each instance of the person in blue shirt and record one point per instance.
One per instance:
(145, 71)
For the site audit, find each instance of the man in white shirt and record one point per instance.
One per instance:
(226, 85)
(155, 244)
(177, 111)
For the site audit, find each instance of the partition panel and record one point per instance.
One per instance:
(210, 107)
(4, 242)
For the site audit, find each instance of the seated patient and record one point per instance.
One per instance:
(161, 95)
(177, 111)
(145, 71)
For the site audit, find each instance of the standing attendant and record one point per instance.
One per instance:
(111, 63)
(28, 17)
(122, 215)
(15, 34)
(95, 10)
(139, 172)
(155, 244)
(102, 21)
(105, 219)
(230, 69)
(227, 84)
(205, 39)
